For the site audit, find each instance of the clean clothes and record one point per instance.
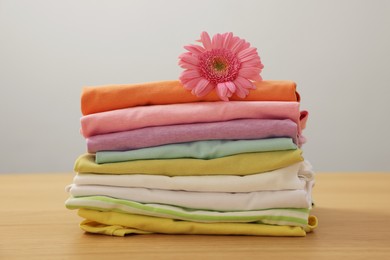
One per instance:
(160, 135)
(239, 164)
(289, 217)
(112, 97)
(292, 177)
(202, 112)
(201, 150)
(221, 201)
(121, 224)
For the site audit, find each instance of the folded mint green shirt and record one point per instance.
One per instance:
(200, 149)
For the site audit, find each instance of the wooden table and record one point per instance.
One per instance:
(353, 212)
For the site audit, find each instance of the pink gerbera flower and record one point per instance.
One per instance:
(226, 63)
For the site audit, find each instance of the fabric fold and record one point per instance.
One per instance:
(120, 224)
(112, 97)
(201, 112)
(220, 201)
(287, 178)
(209, 149)
(282, 216)
(240, 164)
(160, 135)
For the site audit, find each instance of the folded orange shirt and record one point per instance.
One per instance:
(111, 97)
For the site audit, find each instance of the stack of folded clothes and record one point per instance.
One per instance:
(161, 160)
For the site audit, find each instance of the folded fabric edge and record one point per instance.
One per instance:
(279, 216)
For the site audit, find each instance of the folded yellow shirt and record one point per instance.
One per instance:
(240, 164)
(121, 224)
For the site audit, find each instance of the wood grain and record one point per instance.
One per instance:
(353, 212)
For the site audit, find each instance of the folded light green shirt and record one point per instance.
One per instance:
(277, 216)
(201, 149)
(240, 164)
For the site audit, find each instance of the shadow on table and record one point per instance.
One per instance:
(341, 231)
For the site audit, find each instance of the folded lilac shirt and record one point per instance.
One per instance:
(145, 116)
(227, 130)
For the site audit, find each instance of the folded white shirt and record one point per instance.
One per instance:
(293, 177)
(222, 201)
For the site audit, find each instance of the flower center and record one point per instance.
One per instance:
(219, 65)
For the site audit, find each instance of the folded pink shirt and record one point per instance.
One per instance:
(226, 130)
(158, 115)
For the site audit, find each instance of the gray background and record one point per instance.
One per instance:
(336, 51)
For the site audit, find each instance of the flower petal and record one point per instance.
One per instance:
(195, 49)
(246, 52)
(252, 63)
(236, 44)
(206, 90)
(186, 61)
(189, 74)
(230, 86)
(245, 83)
(202, 84)
(248, 72)
(252, 57)
(205, 39)
(222, 92)
(227, 38)
(210, 87)
(241, 91)
(217, 41)
(245, 45)
(189, 58)
(186, 65)
(191, 84)
(257, 77)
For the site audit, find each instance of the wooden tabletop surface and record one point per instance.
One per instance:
(353, 212)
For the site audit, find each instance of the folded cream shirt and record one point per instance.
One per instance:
(288, 178)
